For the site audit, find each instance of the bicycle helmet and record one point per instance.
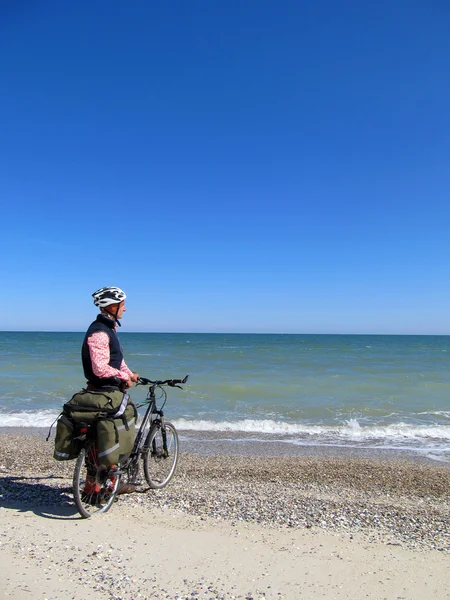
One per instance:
(108, 295)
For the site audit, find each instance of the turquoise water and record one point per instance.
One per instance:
(318, 390)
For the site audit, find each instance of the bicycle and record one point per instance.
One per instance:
(156, 443)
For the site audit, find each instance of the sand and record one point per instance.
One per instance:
(228, 527)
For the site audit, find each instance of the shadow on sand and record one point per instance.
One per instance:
(43, 499)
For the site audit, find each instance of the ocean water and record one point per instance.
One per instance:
(287, 391)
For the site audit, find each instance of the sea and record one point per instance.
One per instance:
(258, 393)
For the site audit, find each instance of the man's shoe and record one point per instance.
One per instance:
(126, 488)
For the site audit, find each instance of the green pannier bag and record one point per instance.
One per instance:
(87, 406)
(111, 412)
(66, 446)
(116, 437)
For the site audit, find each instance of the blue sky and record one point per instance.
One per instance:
(234, 166)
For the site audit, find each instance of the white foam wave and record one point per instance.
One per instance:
(25, 418)
(248, 425)
(439, 413)
(349, 430)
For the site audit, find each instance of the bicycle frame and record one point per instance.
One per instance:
(153, 416)
(149, 419)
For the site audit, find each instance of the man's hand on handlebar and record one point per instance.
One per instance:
(126, 384)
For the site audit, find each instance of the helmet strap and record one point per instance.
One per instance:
(113, 316)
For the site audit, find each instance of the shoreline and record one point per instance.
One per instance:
(229, 526)
(211, 443)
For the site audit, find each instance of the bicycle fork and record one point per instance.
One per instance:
(164, 439)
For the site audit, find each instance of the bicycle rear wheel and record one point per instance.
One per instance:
(160, 459)
(94, 487)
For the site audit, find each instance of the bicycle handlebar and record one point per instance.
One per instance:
(169, 382)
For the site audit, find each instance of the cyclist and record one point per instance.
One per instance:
(102, 356)
(103, 363)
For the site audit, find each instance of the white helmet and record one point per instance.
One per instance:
(108, 295)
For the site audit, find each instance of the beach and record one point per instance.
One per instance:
(228, 526)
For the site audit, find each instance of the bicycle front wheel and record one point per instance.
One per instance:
(94, 487)
(160, 455)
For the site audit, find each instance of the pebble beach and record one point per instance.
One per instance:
(317, 504)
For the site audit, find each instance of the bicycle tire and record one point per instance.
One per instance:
(100, 497)
(160, 466)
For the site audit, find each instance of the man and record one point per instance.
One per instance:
(103, 363)
(102, 356)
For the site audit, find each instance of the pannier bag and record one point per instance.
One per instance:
(112, 414)
(116, 438)
(66, 446)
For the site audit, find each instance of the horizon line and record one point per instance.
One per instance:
(225, 332)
